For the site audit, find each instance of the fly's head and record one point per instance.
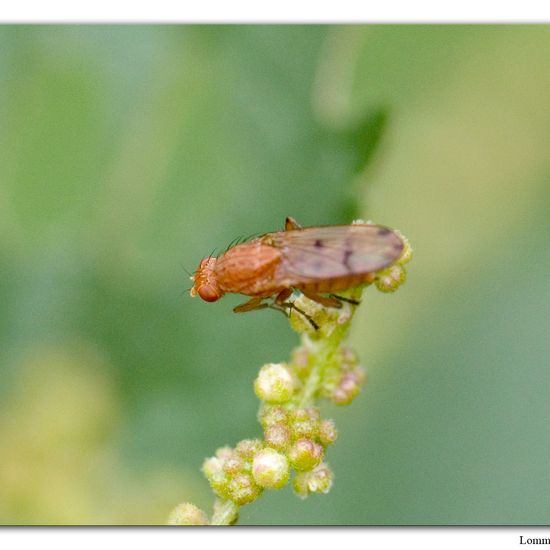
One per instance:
(204, 281)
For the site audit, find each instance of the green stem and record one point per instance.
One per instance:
(226, 512)
(325, 348)
(311, 387)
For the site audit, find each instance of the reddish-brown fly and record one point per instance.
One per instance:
(314, 260)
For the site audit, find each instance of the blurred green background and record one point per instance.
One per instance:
(127, 153)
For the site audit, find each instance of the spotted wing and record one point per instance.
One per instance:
(329, 252)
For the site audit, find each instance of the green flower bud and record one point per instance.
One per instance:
(305, 454)
(406, 255)
(275, 383)
(187, 514)
(305, 423)
(348, 386)
(315, 311)
(390, 278)
(349, 357)
(270, 469)
(214, 472)
(273, 415)
(243, 490)
(344, 316)
(229, 460)
(247, 448)
(277, 436)
(225, 453)
(302, 414)
(327, 432)
(233, 466)
(320, 480)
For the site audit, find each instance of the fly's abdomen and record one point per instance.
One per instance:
(336, 284)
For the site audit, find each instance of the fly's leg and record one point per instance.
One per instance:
(283, 296)
(332, 301)
(348, 300)
(251, 305)
(256, 302)
(287, 308)
(283, 308)
(281, 304)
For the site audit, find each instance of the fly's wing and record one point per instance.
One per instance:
(336, 251)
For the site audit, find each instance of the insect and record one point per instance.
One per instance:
(318, 261)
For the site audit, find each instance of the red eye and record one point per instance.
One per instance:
(208, 293)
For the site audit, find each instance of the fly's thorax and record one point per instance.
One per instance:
(205, 284)
(248, 268)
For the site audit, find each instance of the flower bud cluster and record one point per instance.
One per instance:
(230, 472)
(344, 378)
(241, 474)
(300, 435)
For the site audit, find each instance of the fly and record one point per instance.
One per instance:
(317, 261)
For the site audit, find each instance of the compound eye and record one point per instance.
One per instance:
(208, 293)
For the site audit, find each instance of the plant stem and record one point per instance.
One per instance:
(225, 513)
(324, 350)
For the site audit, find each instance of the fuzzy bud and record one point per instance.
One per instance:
(318, 480)
(305, 423)
(327, 432)
(270, 469)
(273, 415)
(233, 465)
(277, 436)
(187, 514)
(247, 448)
(390, 278)
(308, 414)
(317, 314)
(407, 253)
(348, 387)
(275, 383)
(344, 316)
(215, 474)
(243, 490)
(349, 357)
(225, 453)
(305, 454)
